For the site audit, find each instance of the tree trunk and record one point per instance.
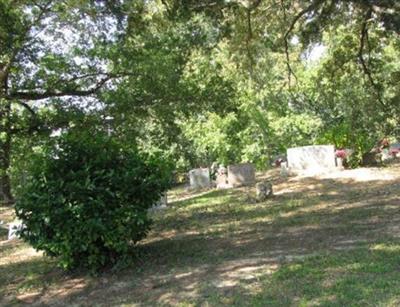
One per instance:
(5, 152)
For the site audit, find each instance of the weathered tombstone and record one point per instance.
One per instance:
(161, 204)
(13, 228)
(221, 179)
(199, 178)
(263, 190)
(241, 174)
(312, 159)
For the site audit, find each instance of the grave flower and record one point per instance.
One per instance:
(341, 153)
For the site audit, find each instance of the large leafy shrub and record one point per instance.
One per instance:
(86, 199)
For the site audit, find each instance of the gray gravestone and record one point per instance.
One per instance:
(312, 159)
(241, 174)
(161, 204)
(199, 178)
(221, 179)
(263, 190)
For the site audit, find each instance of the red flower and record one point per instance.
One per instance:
(341, 153)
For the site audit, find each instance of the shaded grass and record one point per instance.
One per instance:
(317, 242)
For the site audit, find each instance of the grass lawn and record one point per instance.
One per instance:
(331, 241)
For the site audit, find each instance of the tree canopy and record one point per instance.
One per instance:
(198, 82)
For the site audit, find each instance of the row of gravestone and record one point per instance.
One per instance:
(300, 160)
(232, 176)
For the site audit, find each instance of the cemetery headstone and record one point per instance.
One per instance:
(311, 159)
(241, 174)
(221, 179)
(263, 190)
(13, 228)
(161, 204)
(199, 178)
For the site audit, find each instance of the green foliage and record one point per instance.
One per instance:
(214, 138)
(225, 81)
(294, 130)
(86, 199)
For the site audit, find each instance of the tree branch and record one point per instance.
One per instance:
(38, 95)
(303, 12)
(50, 94)
(367, 72)
(25, 105)
(249, 37)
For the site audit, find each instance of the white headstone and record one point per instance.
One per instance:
(13, 228)
(241, 174)
(199, 178)
(311, 159)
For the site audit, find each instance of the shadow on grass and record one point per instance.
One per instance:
(314, 244)
(366, 276)
(24, 276)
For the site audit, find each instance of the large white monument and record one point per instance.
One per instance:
(311, 159)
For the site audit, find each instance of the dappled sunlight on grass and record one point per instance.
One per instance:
(16, 251)
(352, 277)
(392, 248)
(316, 242)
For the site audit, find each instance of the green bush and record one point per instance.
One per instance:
(86, 199)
